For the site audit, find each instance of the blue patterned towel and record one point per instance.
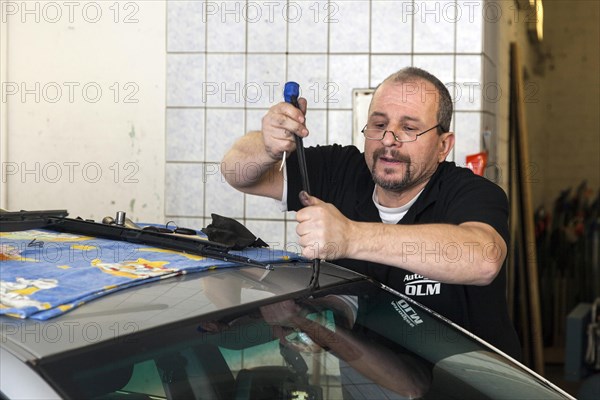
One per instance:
(44, 274)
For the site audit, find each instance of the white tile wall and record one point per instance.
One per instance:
(184, 190)
(308, 26)
(316, 123)
(469, 26)
(469, 82)
(226, 26)
(267, 26)
(265, 79)
(186, 28)
(391, 26)
(441, 66)
(258, 207)
(349, 26)
(339, 127)
(383, 66)
(434, 26)
(188, 222)
(222, 199)
(185, 79)
(227, 63)
(310, 71)
(346, 72)
(185, 134)
(272, 232)
(225, 80)
(223, 128)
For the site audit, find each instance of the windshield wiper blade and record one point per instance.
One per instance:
(56, 220)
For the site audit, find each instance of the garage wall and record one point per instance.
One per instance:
(570, 131)
(513, 26)
(181, 80)
(83, 95)
(227, 63)
(561, 95)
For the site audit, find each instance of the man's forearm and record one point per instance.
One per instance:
(470, 253)
(248, 167)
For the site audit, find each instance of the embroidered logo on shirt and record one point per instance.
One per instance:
(418, 285)
(408, 314)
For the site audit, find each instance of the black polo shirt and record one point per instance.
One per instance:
(339, 175)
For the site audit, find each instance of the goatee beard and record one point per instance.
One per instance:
(397, 185)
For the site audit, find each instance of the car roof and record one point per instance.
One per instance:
(160, 303)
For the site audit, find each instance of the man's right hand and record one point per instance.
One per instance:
(280, 124)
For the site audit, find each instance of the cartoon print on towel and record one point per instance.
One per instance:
(46, 274)
(16, 294)
(138, 269)
(41, 236)
(13, 253)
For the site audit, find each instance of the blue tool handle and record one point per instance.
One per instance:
(291, 92)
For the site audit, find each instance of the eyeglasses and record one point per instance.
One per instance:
(403, 137)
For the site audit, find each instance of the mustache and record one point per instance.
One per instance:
(393, 154)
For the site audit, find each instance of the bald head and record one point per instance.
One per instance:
(416, 76)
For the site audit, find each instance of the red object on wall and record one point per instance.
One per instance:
(477, 162)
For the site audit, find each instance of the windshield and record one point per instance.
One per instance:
(355, 341)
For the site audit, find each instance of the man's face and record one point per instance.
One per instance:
(409, 106)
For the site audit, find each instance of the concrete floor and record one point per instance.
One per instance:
(555, 373)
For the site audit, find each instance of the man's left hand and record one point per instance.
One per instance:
(324, 232)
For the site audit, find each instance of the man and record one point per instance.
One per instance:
(443, 240)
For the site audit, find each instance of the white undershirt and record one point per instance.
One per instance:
(387, 215)
(393, 215)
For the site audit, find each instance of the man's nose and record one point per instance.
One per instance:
(389, 139)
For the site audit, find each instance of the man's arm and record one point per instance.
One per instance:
(250, 169)
(469, 253)
(401, 373)
(252, 165)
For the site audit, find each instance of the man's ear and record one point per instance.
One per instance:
(446, 143)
